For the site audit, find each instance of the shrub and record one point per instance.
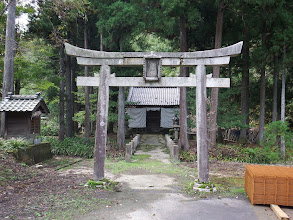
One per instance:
(274, 131)
(188, 156)
(14, 144)
(247, 154)
(262, 155)
(76, 146)
(49, 128)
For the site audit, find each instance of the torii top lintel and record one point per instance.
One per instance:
(152, 62)
(232, 50)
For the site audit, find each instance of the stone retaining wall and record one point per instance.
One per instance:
(173, 148)
(131, 147)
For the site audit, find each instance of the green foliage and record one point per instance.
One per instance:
(34, 61)
(187, 156)
(93, 184)
(103, 184)
(188, 188)
(274, 131)
(49, 127)
(262, 156)
(228, 113)
(76, 146)
(79, 117)
(13, 144)
(147, 42)
(247, 154)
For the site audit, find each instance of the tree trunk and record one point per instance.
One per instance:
(101, 42)
(17, 87)
(262, 88)
(245, 86)
(262, 102)
(121, 118)
(61, 96)
(69, 106)
(283, 104)
(10, 47)
(87, 123)
(275, 90)
(216, 74)
(183, 141)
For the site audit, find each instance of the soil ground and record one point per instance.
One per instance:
(150, 188)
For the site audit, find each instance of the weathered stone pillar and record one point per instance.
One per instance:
(101, 124)
(201, 125)
(128, 153)
(176, 150)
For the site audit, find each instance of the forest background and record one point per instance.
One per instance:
(258, 76)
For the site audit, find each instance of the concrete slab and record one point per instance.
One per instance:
(152, 181)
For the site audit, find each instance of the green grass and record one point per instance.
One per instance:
(142, 162)
(229, 186)
(68, 206)
(147, 148)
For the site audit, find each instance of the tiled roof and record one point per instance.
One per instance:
(153, 96)
(23, 103)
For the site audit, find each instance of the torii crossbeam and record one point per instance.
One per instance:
(152, 63)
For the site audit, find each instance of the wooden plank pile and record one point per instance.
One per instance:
(269, 184)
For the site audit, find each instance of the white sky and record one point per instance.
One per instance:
(22, 20)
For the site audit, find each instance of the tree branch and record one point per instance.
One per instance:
(3, 11)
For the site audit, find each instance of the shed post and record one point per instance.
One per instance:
(101, 124)
(201, 125)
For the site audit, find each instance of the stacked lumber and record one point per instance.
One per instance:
(269, 184)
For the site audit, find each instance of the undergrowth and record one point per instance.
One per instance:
(81, 147)
(13, 144)
(242, 153)
(75, 146)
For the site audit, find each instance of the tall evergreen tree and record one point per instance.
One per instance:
(10, 48)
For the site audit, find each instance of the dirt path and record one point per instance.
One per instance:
(147, 194)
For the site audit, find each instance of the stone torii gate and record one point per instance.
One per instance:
(152, 63)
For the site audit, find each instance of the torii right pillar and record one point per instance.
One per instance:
(201, 125)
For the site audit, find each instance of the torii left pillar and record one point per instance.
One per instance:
(101, 123)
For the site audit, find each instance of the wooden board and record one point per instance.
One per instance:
(279, 212)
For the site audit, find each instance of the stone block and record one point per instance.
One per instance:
(33, 154)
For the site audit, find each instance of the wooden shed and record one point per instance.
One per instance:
(152, 108)
(23, 115)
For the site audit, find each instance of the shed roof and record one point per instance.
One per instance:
(154, 96)
(23, 103)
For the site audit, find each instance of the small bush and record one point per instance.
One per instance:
(188, 156)
(14, 144)
(247, 154)
(49, 128)
(274, 131)
(263, 155)
(75, 146)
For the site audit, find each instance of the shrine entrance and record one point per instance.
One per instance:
(152, 63)
(153, 119)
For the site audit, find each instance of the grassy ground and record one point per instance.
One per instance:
(55, 191)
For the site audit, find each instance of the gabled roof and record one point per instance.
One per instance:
(23, 103)
(153, 96)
